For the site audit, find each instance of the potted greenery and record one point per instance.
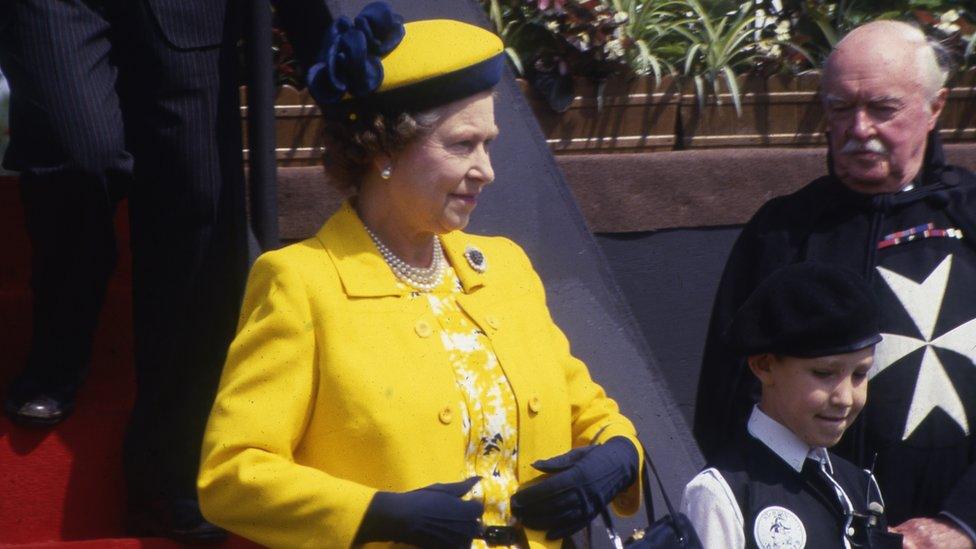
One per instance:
(593, 71)
(742, 68)
(646, 75)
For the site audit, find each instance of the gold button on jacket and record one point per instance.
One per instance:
(329, 395)
(423, 328)
(446, 415)
(535, 405)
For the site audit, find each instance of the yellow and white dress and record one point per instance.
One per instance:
(489, 414)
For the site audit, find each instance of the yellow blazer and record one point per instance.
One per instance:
(334, 388)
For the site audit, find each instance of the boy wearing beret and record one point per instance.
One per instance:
(809, 333)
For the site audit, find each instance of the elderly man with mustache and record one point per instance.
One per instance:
(892, 210)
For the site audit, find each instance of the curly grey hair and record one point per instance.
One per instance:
(352, 144)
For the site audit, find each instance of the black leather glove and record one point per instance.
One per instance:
(582, 482)
(434, 516)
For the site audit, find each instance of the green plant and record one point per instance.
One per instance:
(706, 43)
(718, 46)
(649, 32)
(552, 41)
(506, 26)
(818, 25)
(956, 31)
(970, 51)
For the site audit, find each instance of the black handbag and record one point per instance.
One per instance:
(672, 531)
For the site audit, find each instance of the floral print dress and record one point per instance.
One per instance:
(489, 416)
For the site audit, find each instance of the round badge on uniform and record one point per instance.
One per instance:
(779, 528)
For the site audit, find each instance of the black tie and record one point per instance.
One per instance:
(817, 476)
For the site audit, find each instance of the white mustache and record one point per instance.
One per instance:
(873, 145)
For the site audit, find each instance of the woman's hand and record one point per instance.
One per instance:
(434, 516)
(582, 482)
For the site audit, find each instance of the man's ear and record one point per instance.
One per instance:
(936, 106)
(762, 367)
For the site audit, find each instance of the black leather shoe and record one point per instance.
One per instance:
(42, 409)
(179, 519)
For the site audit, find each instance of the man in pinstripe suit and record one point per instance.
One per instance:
(137, 99)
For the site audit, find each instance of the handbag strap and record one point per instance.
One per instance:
(646, 484)
(646, 473)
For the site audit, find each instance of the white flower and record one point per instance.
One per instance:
(465, 343)
(769, 51)
(584, 40)
(948, 28)
(436, 305)
(614, 49)
(783, 30)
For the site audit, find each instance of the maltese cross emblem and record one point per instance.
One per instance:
(933, 388)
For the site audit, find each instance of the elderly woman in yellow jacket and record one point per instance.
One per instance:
(395, 379)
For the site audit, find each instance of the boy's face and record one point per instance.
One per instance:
(816, 398)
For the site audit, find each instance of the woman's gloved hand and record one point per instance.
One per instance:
(582, 482)
(434, 516)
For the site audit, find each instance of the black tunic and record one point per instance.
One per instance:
(764, 485)
(921, 410)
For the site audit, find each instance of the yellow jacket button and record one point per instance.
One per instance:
(535, 405)
(423, 329)
(446, 415)
(493, 322)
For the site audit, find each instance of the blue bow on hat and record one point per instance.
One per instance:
(350, 58)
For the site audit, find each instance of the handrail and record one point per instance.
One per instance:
(261, 125)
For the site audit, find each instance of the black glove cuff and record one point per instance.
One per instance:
(381, 521)
(625, 451)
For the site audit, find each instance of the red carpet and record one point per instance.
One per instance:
(60, 487)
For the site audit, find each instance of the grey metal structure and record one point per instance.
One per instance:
(530, 203)
(260, 127)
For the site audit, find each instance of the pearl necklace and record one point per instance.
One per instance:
(424, 279)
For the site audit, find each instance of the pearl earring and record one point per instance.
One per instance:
(386, 172)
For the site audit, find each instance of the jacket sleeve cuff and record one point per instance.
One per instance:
(628, 502)
(960, 506)
(957, 522)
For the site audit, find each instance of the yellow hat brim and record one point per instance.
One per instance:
(436, 47)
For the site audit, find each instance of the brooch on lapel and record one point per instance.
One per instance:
(476, 259)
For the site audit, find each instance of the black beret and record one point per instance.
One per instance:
(806, 310)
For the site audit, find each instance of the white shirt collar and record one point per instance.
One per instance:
(783, 442)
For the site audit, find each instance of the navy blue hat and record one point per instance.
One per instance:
(806, 310)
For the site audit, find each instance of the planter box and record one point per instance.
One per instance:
(776, 112)
(636, 116)
(298, 128)
(958, 122)
(786, 111)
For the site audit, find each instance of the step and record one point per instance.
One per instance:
(63, 487)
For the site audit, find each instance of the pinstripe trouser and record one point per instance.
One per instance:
(104, 107)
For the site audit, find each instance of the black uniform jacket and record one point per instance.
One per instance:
(762, 481)
(917, 248)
